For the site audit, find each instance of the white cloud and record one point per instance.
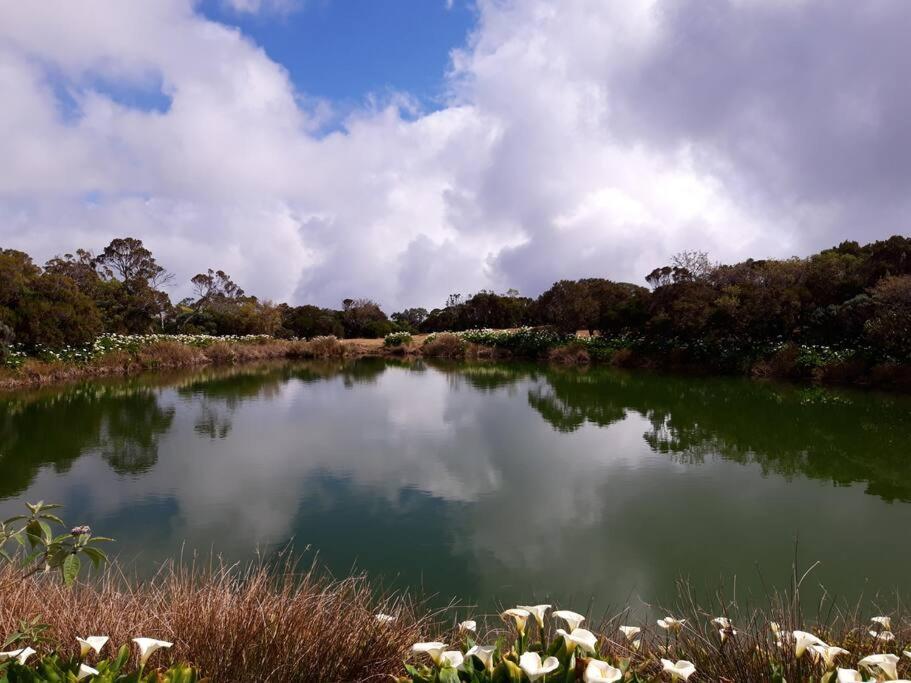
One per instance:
(585, 138)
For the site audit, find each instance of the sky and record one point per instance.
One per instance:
(403, 150)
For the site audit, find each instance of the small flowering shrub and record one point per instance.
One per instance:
(45, 550)
(397, 339)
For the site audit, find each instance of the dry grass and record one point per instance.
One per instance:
(444, 345)
(234, 624)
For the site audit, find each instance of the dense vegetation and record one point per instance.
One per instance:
(850, 298)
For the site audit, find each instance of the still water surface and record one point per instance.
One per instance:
(492, 483)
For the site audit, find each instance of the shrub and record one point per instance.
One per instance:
(220, 353)
(569, 354)
(397, 339)
(168, 354)
(444, 345)
(326, 347)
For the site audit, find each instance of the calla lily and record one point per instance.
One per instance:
(725, 633)
(21, 656)
(776, 629)
(803, 640)
(85, 672)
(722, 622)
(581, 638)
(679, 669)
(95, 643)
(148, 647)
(601, 672)
(671, 624)
(886, 663)
(848, 676)
(826, 654)
(434, 649)
(469, 625)
(484, 653)
(883, 635)
(907, 653)
(538, 611)
(534, 668)
(885, 622)
(630, 632)
(572, 619)
(452, 658)
(520, 616)
(385, 618)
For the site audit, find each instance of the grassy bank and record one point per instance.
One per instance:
(258, 624)
(119, 355)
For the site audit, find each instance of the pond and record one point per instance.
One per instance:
(492, 483)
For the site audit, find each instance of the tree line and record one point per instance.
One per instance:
(851, 295)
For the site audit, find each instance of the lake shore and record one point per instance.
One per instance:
(166, 355)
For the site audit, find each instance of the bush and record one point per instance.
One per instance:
(220, 353)
(444, 345)
(397, 339)
(326, 347)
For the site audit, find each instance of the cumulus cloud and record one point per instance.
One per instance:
(584, 138)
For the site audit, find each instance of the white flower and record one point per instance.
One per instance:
(630, 631)
(722, 622)
(452, 658)
(887, 664)
(468, 625)
(883, 635)
(803, 640)
(601, 672)
(848, 676)
(21, 656)
(85, 672)
(573, 620)
(907, 653)
(434, 649)
(776, 629)
(385, 618)
(484, 653)
(671, 624)
(885, 622)
(95, 643)
(723, 633)
(826, 653)
(580, 637)
(148, 647)
(679, 669)
(534, 668)
(519, 615)
(538, 611)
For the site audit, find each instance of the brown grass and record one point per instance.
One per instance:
(444, 345)
(233, 624)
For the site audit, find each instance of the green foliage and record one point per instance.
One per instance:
(397, 339)
(55, 669)
(44, 551)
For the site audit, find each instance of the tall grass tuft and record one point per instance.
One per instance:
(234, 623)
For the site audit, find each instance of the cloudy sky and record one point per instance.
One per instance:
(406, 149)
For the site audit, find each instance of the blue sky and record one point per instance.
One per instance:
(344, 50)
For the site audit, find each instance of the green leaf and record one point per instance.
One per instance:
(96, 556)
(53, 518)
(70, 569)
(449, 675)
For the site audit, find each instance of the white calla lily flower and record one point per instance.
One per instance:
(826, 654)
(385, 618)
(581, 638)
(885, 622)
(92, 643)
(468, 626)
(803, 640)
(451, 658)
(887, 664)
(882, 635)
(907, 653)
(671, 624)
(630, 632)
(519, 615)
(573, 619)
(538, 611)
(484, 654)
(148, 647)
(680, 669)
(722, 622)
(601, 672)
(775, 627)
(85, 672)
(21, 656)
(534, 668)
(434, 649)
(725, 633)
(848, 676)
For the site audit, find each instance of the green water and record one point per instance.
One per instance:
(490, 483)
